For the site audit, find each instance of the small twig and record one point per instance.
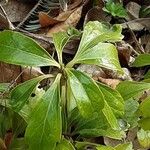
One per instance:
(11, 26)
(12, 83)
(141, 49)
(45, 39)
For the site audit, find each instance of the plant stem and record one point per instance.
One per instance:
(70, 64)
(64, 106)
(11, 26)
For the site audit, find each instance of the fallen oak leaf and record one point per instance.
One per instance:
(72, 20)
(137, 24)
(110, 82)
(46, 20)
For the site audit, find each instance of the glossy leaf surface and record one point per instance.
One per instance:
(144, 138)
(22, 92)
(64, 145)
(115, 9)
(15, 48)
(129, 89)
(113, 98)
(45, 126)
(145, 108)
(125, 146)
(88, 96)
(142, 60)
(60, 40)
(92, 50)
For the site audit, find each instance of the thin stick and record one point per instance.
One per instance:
(45, 39)
(141, 49)
(11, 26)
(12, 82)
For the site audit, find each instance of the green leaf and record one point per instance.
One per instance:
(113, 98)
(144, 12)
(142, 60)
(125, 146)
(22, 92)
(60, 40)
(96, 132)
(88, 96)
(131, 116)
(102, 147)
(93, 127)
(18, 49)
(145, 123)
(72, 31)
(64, 145)
(93, 50)
(144, 138)
(111, 118)
(18, 144)
(115, 9)
(147, 75)
(130, 89)
(84, 145)
(45, 126)
(114, 104)
(3, 86)
(144, 111)
(145, 108)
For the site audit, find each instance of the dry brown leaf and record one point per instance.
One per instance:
(145, 41)
(98, 14)
(30, 73)
(137, 24)
(124, 53)
(112, 142)
(46, 20)
(133, 10)
(92, 70)
(9, 73)
(74, 4)
(110, 82)
(72, 20)
(17, 10)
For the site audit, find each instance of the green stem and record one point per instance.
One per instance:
(64, 106)
(70, 64)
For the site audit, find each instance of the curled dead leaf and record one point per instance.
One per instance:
(137, 24)
(46, 20)
(133, 10)
(72, 20)
(124, 53)
(110, 82)
(98, 14)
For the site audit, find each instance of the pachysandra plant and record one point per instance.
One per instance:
(74, 105)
